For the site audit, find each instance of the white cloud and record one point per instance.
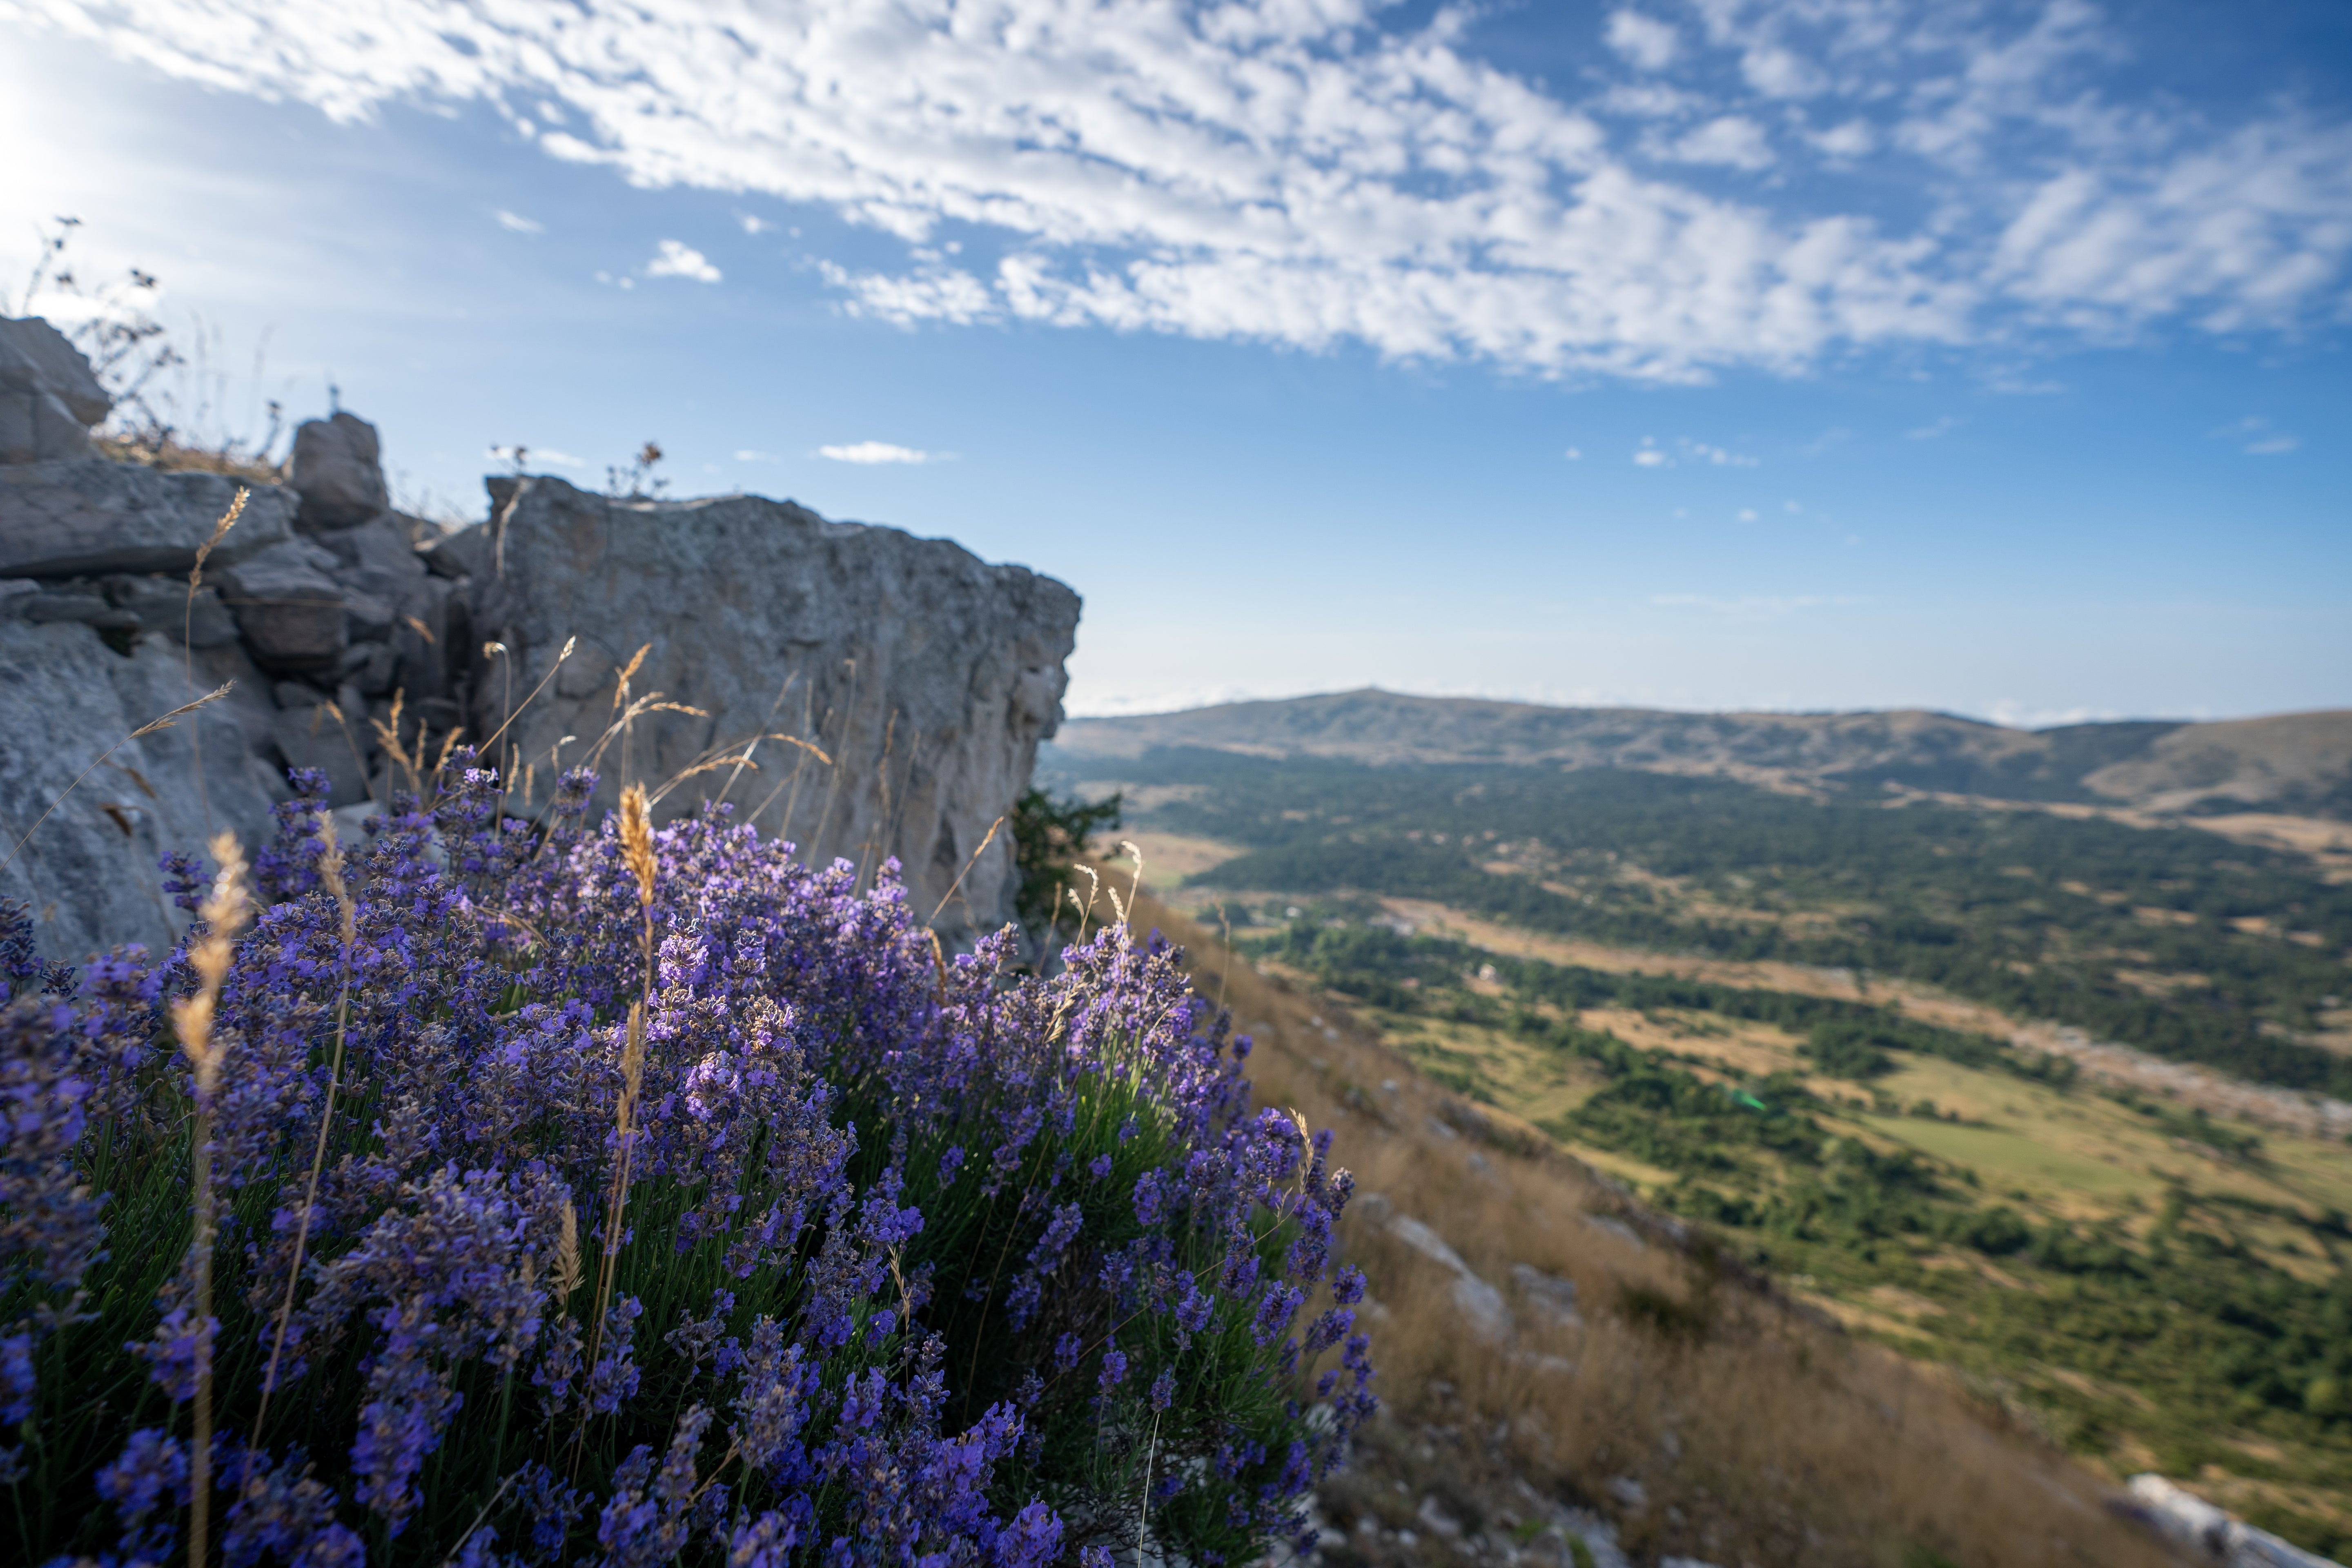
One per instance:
(1316, 171)
(1733, 140)
(754, 224)
(1747, 514)
(535, 458)
(747, 456)
(875, 452)
(2257, 436)
(676, 260)
(1778, 73)
(1573, 455)
(1645, 40)
(517, 222)
(1720, 457)
(1649, 458)
(1854, 139)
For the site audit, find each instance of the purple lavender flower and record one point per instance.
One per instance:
(151, 1473)
(800, 1101)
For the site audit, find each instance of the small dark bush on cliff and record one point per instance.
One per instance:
(607, 1194)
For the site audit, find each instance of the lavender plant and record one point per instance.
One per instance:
(595, 1194)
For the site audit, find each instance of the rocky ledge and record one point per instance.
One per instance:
(864, 692)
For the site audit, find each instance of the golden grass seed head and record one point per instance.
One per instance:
(637, 840)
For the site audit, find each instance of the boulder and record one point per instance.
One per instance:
(312, 737)
(463, 553)
(925, 675)
(1552, 1297)
(2211, 1535)
(1481, 1305)
(291, 613)
(91, 517)
(88, 871)
(161, 605)
(48, 395)
(59, 602)
(378, 557)
(338, 470)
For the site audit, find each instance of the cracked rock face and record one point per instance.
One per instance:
(91, 517)
(927, 675)
(48, 395)
(89, 873)
(920, 673)
(338, 470)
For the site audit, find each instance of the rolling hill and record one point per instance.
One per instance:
(2297, 764)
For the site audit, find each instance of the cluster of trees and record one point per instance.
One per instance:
(2041, 916)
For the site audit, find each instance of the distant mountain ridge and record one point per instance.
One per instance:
(2293, 762)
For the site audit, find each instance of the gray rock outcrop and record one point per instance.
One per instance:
(49, 396)
(338, 470)
(291, 610)
(88, 517)
(925, 675)
(2211, 1535)
(89, 872)
(1481, 1306)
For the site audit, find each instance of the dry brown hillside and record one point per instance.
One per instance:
(2296, 762)
(1642, 1385)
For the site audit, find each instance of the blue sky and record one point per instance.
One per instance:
(1786, 354)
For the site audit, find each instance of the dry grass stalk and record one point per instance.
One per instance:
(331, 873)
(513, 714)
(791, 805)
(632, 1069)
(567, 1256)
(867, 850)
(387, 734)
(621, 685)
(149, 728)
(986, 839)
(637, 842)
(773, 709)
(727, 755)
(188, 631)
(1094, 885)
(841, 745)
(623, 727)
(1135, 883)
(637, 832)
(225, 913)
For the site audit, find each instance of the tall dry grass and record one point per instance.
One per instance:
(1756, 1432)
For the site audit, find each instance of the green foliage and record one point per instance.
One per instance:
(1049, 836)
(1848, 1049)
(1663, 1313)
(2038, 915)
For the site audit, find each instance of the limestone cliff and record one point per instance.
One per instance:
(924, 676)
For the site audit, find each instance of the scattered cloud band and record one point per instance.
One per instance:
(875, 452)
(1318, 172)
